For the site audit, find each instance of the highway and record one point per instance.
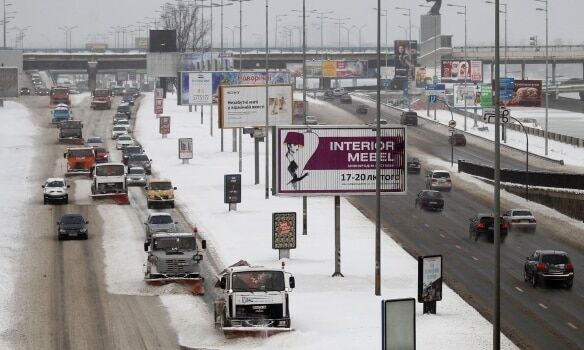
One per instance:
(540, 318)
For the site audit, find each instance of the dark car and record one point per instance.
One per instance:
(362, 109)
(414, 165)
(117, 91)
(483, 225)
(457, 139)
(346, 98)
(135, 92)
(140, 160)
(409, 118)
(328, 95)
(42, 91)
(125, 108)
(101, 155)
(129, 99)
(129, 150)
(24, 91)
(548, 265)
(72, 225)
(430, 200)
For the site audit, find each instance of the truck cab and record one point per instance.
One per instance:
(159, 192)
(71, 132)
(101, 99)
(60, 114)
(108, 178)
(80, 160)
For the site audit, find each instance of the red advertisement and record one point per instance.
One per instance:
(164, 127)
(527, 93)
(459, 71)
(158, 103)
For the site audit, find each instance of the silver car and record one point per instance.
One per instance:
(55, 189)
(438, 180)
(136, 176)
(520, 219)
(159, 222)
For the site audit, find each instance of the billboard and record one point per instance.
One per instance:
(352, 68)
(185, 148)
(406, 58)
(398, 324)
(469, 93)
(245, 105)
(526, 93)
(459, 71)
(338, 160)
(485, 98)
(8, 82)
(162, 40)
(329, 69)
(164, 127)
(422, 79)
(96, 47)
(196, 88)
(429, 278)
(284, 230)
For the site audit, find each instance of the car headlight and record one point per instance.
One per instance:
(83, 230)
(61, 230)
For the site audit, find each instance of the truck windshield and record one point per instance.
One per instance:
(257, 281)
(162, 185)
(110, 170)
(81, 152)
(101, 93)
(70, 132)
(174, 243)
(61, 114)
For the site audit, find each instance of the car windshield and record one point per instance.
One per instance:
(555, 259)
(174, 243)
(136, 171)
(61, 113)
(256, 281)
(72, 219)
(440, 175)
(119, 128)
(139, 157)
(161, 185)
(522, 213)
(414, 160)
(124, 138)
(161, 219)
(433, 194)
(55, 183)
(110, 170)
(94, 140)
(69, 132)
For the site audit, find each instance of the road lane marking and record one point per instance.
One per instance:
(441, 235)
(519, 289)
(457, 246)
(542, 306)
(415, 217)
(426, 225)
(571, 325)
(475, 258)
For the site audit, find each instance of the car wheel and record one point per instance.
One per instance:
(149, 205)
(569, 284)
(84, 236)
(533, 280)
(525, 278)
(44, 201)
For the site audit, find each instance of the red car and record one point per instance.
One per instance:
(101, 155)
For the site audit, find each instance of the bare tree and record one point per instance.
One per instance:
(185, 18)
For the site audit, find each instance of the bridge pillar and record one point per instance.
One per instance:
(523, 71)
(92, 75)
(326, 83)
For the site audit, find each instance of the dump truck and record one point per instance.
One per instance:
(59, 94)
(80, 161)
(71, 132)
(109, 181)
(253, 300)
(60, 114)
(174, 258)
(101, 99)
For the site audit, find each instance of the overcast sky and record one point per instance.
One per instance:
(95, 18)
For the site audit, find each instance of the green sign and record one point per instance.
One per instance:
(486, 95)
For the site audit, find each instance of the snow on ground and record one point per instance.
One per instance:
(327, 312)
(16, 149)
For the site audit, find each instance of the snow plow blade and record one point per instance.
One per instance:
(256, 332)
(118, 198)
(81, 172)
(196, 285)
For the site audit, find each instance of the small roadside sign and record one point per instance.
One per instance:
(164, 127)
(433, 98)
(452, 123)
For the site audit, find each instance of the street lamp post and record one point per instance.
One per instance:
(378, 160)
(546, 71)
(339, 21)
(278, 19)
(409, 14)
(348, 29)
(360, 28)
(466, 63)
(221, 4)
(232, 36)
(386, 15)
(5, 20)
(321, 15)
(505, 12)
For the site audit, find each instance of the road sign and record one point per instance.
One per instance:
(489, 114)
(433, 98)
(435, 89)
(452, 123)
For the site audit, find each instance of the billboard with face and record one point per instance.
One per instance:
(459, 71)
(406, 56)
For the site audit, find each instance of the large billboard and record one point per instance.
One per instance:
(196, 88)
(459, 71)
(406, 58)
(339, 160)
(331, 69)
(8, 82)
(526, 93)
(245, 105)
(470, 93)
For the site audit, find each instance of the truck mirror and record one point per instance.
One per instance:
(68, 186)
(292, 282)
(174, 188)
(146, 188)
(43, 186)
(65, 155)
(146, 244)
(223, 282)
(204, 244)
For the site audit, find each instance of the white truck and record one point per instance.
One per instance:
(253, 299)
(109, 180)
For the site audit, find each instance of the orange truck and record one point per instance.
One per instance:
(101, 99)
(59, 94)
(80, 161)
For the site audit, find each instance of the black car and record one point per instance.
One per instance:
(483, 225)
(140, 160)
(133, 91)
(129, 150)
(43, 91)
(414, 165)
(72, 225)
(328, 95)
(346, 98)
(24, 91)
(125, 108)
(430, 200)
(548, 265)
(409, 118)
(457, 139)
(362, 109)
(129, 99)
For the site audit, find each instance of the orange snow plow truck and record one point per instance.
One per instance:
(59, 94)
(80, 161)
(101, 99)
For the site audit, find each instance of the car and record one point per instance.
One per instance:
(55, 189)
(24, 91)
(430, 200)
(42, 91)
(125, 123)
(136, 176)
(128, 98)
(94, 141)
(159, 191)
(438, 180)
(346, 98)
(482, 225)
(120, 118)
(72, 225)
(74, 92)
(159, 222)
(133, 91)
(123, 141)
(521, 219)
(338, 92)
(101, 155)
(409, 118)
(117, 131)
(140, 160)
(117, 91)
(548, 265)
(328, 95)
(362, 109)
(129, 150)
(414, 165)
(126, 109)
(457, 139)
(311, 120)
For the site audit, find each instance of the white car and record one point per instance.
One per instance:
(123, 141)
(438, 180)
(117, 131)
(338, 92)
(123, 122)
(311, 120)
(520, 219)
(94, 141)
(55, 189)
(136, 176)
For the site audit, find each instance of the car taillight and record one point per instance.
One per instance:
(448, 180)
(504, 225)
(434, 180)
(481, 225)
(569, 267)
(540, 266)
(532, 221)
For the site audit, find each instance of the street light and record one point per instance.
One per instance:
(278, 19)
(348, 29)
(339, 21)
(321, 15)
(20, 37)
(505, 12)
(5, 19)
(67, 30)
(546, 71)
(466, 63)
(409, 14)
(360, 28)
(386, 15)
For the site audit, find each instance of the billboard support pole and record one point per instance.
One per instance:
(240, 152)
(338, 237)
(377, 158)
(201, 114)
(234, 131)
(211, 120)
(304, 215)
(305, 107)
(256, 152)
(267, 131)
(190, 108)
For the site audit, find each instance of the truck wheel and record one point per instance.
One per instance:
(533, 280)
(172, 205)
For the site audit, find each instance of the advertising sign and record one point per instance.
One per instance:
(232, 188)
(141, 43)
(8, 82)
(329, 69)
(185, 148)
(164, 127)
(435, 89)
(158, 105)
(352, 68)
(338, 160)
(295, 69)
(298, 108)
(158, 93)
(486, 96)
(284, 230)
(398, 324)
(506, 88)
(458, 71)
(406, 57)
(421, 78)
(245, 105)
(526, 93)
(468, 93)
(387, 73)
(314, 68)
(429, 278)
(197, 88)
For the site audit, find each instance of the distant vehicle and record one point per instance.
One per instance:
(80, 160)
(74, 92)
(117, 131)
(521, 219)
(72, 225)
(129, 99)
(328, 95)
(548, 265)
(120, 116)
(123, 141)
(101, 99)
(55, 189)
(457, 139)
(94, 141)
(159, 191)
(414, 165)
(140, 160)
(136, 176)
(311, 120)
(338, 92)
(362, 109)
(101, 155)
(383, 121)
(159, 222)
(409, 118)
(59, 94)
(60, 114)
(135, 92)
(117, 91)
(126, 109)
(346, 98)
(24, 91)
(438, 180)
(430, 200)
(483, 225)
(42, 91)
(129, 150)
(109, 180)
(71, 132)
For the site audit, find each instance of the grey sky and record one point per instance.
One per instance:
(96, 17)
